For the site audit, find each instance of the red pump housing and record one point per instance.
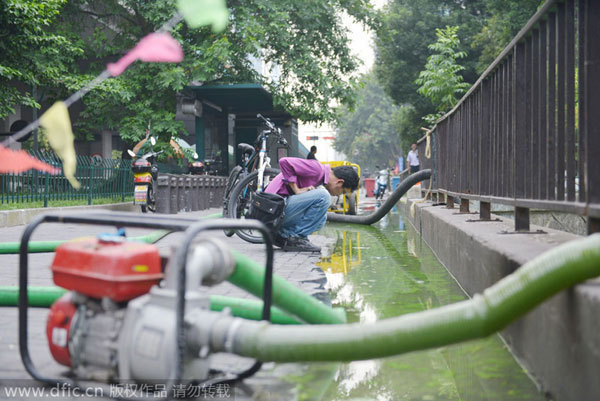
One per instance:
(58, 328)
(119, 270)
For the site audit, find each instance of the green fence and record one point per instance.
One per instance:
(99, 178)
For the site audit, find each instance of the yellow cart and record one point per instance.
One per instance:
(346, 203)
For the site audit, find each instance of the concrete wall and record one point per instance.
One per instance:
(558, 342)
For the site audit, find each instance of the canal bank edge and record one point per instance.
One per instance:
(557, 342)
(18, 217)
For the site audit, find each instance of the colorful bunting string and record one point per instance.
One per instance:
(159, 46)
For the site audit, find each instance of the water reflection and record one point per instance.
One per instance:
(384, 271)
(400, 222)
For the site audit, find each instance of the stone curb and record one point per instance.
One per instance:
(18, 217)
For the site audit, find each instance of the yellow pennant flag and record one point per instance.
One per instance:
(57, 124)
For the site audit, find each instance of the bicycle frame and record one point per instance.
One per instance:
(251, 162)
(264, 161)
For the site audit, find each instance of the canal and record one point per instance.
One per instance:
(385, 270)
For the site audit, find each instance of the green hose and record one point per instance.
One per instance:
(249, 275)
(249, 309)
(43, 297)
(50, 246)
(484, 314)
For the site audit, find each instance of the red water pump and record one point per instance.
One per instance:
(118, 321)
(103, 274)
(130, 317)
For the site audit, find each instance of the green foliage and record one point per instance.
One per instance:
(32, 55)
(440, 81)
(408, 27)
(62, 45)
(507, 17)
(371, 133)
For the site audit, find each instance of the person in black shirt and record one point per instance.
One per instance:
(311, 154)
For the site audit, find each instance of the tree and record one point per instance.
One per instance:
(305, 41)
(440, 81)
(369, 134)
(32, 55)
(507, 17)
(408, 27)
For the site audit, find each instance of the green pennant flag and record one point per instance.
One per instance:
(204, 12)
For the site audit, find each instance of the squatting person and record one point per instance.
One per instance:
(300, 182)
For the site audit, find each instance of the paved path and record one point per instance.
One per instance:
(298, 268)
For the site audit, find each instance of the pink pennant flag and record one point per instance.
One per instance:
(17, 161)
(153, 48)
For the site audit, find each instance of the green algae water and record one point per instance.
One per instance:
(385, 270)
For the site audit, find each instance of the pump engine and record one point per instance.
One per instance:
(117, 320)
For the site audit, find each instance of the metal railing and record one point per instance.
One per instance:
(527, 133)
(107, 178)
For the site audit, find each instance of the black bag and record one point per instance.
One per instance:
(267, 208)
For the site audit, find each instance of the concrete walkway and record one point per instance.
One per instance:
(298, 268)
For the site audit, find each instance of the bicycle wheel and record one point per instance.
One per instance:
(239, 202)
(233, 179)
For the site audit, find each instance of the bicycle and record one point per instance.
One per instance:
(253, 176)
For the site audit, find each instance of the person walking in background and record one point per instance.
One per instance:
(308, 186)
(412, 160)
(311, 154)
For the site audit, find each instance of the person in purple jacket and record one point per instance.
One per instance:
(307, 184)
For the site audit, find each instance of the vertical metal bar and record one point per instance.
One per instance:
(536, 169)
(542, 116)
(510, 129)
(46, 179)
(519, 120)
(90, 181)
(551, 114)
(570, 84)
(581, 117)
(560, 115)
(464, 128)
(498, 132)
(528, 168)
(491, 102)
(461, 150)
(485, 137)
(494, 151)
(469, 153)
(464, 205)
(477, 139)
(456, 156)
(465, 148)
(592, 102)
(521, 219)
(477, 131)
(474, 149)
(451, 159)
(470, 150)
(505, 129)
(123, 177)
(485, 211)
(439, 156)
(500, 73)
(482, 140)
